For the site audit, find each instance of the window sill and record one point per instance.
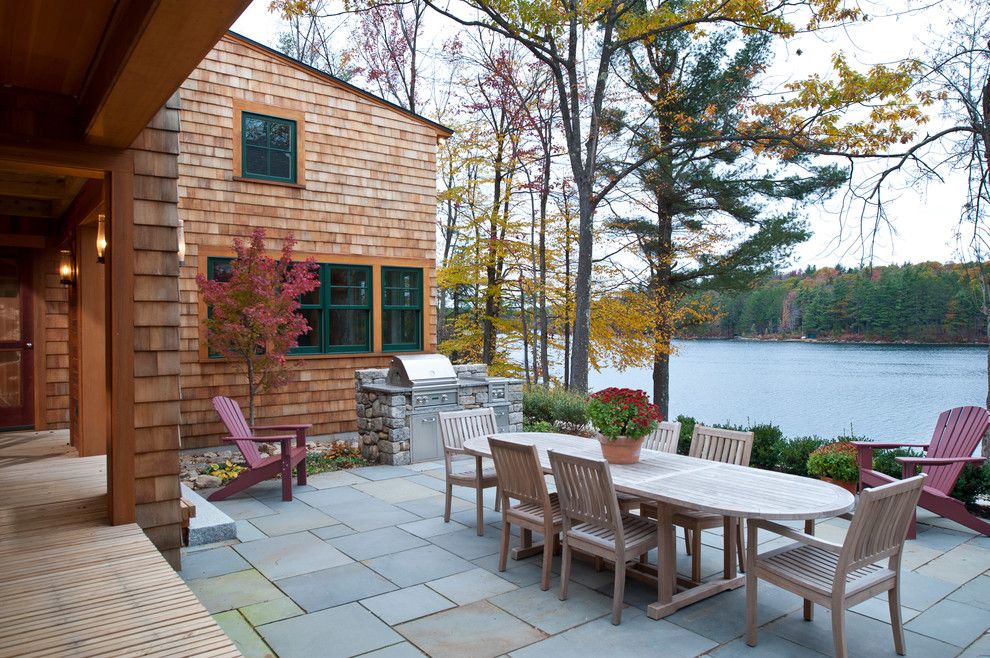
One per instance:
(242, 179)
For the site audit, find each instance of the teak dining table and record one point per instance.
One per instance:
(680, 482)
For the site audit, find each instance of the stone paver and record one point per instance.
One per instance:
(212, 562)
(269, 611)
(291, 555)
(480, 630)
(248, 642)
(233, 590)
(361, 563)
(418, 565)
(332, 587)
(346, 630)
(471, 586)
(407, 604)
(374, 543)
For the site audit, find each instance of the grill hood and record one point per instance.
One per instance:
(416, 370)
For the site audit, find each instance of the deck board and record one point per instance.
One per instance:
(72, 585)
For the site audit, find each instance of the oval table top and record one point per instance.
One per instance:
(698, 484)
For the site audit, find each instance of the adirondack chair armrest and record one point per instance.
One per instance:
(864, 450)
(909, 465)
(796, 535)
(301, 426)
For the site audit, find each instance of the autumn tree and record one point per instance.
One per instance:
(389, 39)
(714, 208)
(308, 36)
(253, 319)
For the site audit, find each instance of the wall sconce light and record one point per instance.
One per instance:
(101, 238)
(182, 242)
(66, 268)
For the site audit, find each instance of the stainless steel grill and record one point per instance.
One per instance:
(421, 370)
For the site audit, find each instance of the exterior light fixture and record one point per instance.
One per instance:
(101, 238)
(66, 268)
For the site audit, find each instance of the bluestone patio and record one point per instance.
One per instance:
(361, 563)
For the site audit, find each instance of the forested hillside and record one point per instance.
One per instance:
(927, 302)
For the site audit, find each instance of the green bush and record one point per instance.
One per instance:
(834, 460)
(768, 441)
(687, 429)
(973, 482)
(537, 426)
(793, 456)
(557, 407)
(885, 461)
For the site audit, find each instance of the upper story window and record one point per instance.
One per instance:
(268, 148)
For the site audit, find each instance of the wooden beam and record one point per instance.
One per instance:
(10, 205)
(88, 199)
(23, 241)
(32, 186)
(141, 62)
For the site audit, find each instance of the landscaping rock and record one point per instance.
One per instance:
(207, 481)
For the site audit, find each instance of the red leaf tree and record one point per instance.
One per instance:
(254, 317)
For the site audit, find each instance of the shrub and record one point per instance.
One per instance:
(537, 426)
(885, 461)
(226, 471)
(623, 412)
(768, 442)
(687, 430)
(793, 456)
(973, 483)
(834, 460)
(556, 407)
(338, 455)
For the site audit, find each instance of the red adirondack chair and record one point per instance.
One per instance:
(261, 468)
(957, 433)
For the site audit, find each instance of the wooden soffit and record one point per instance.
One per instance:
(115, 62)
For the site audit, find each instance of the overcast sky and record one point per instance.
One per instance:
(925, 217)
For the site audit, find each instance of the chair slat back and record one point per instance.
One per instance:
(664, 438)
(233, 419)
(957, 433)
(719, 445)
(880, 524)
(519, 473)
(456, 427)
(584, 487)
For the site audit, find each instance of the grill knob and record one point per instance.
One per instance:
(443, 398)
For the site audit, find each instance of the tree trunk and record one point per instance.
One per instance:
(582, 295)
(985, 444)
(252, 388)
(544, 319)
(661, 383)
(525, 329)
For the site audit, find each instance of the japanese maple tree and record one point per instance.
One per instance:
(254, 318)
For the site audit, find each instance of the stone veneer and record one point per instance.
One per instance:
(382, 416)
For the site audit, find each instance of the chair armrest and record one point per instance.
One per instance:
(940, 461)
(791, 533)
(880, 445)
(260, 439)
(304, 426)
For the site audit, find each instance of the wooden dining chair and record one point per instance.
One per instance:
(663, 439)
(456, 427)
(714, 444)
(593, 523)
(520, 478)
(839, 576)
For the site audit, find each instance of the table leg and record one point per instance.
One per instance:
(729, 547)
(480, 498)
(666, 554)
(526, 546)
(809, 607)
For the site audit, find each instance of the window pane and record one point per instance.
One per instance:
(222, 270)
(256, 161)
(311, 298)
(312, 337)
(281, 164)
(10, 300)
(401, 327)
(254, 131)
(348, 328)
(343, 276)
(348, 297)
(278, 135)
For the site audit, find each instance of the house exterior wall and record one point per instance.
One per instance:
(365, 195)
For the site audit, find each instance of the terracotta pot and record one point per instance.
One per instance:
(848, 486)
(621, 450)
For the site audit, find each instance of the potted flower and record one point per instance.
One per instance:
(622, 416)
(835, 463)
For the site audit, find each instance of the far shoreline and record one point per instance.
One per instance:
(833, 341)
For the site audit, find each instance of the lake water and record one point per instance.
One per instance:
(884, 392)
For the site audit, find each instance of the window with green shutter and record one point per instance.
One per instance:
(402, 309)
(268, 148)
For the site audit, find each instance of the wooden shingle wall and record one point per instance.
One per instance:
(156, 331)
(368, 196)
(54, 316)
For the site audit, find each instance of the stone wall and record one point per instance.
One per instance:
(383, 414)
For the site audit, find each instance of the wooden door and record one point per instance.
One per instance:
(16, 343)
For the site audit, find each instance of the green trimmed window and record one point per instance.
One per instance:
(217, 269)
(402, 309)
(268, 148)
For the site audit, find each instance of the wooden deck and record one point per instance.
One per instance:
(72, 585)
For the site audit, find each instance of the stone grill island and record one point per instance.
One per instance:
(398, 407)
